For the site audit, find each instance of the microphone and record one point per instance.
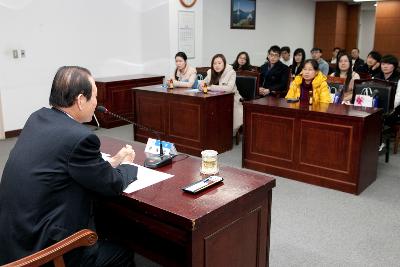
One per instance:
(336, 98)
(152, 162)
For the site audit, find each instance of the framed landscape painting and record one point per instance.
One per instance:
(243, 14)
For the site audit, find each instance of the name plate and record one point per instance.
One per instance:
(153, 147)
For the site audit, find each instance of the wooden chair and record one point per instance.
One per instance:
(55, 252)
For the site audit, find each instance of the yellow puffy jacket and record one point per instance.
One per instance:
(321, 92)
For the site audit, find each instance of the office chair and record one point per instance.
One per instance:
(55, 252)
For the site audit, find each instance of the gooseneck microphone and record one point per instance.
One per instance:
(152, 162)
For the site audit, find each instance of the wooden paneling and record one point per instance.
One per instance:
(275, 134)
(243, 231)
(193, 121)
(179, 116)
(336, 25)
(353, 17)
(334, 154)
(387, 28)
(115, 93)
(334, 146)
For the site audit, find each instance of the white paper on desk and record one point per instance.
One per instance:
(145, 178)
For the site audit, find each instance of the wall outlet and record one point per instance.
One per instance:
(15, 53)
(23, 53)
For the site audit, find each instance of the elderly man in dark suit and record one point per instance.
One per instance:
(274, 75)
(54, 173)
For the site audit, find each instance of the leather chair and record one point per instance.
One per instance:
(247, 87)
(387, 91)
(55, 252)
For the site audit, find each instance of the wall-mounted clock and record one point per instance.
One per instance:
(188, 3)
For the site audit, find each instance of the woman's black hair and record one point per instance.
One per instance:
(215, 76)
(182, 55)
(68, 83)
(303, 58)
(313, 63)
(349, 73)
(246, 66)
(390, 59)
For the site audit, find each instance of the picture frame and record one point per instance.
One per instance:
(243, 14)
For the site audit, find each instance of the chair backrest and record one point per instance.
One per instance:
(386, 91)
(55, 252)
(202, 71)
(247, 86)
(335, 83)
(364, 75)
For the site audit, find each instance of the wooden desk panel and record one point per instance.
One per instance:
(226, 225)
(324, 144)
(192, 120)
(115, 93)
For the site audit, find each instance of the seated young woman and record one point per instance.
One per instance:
(242, 62)
(185, 75)
(344, 70)
(222, 77)
(299, 56)
(310, 79)
(389, 64)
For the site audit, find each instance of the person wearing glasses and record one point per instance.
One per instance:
(274, 74)
(316, 53)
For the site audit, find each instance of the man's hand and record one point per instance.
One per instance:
(126, 154)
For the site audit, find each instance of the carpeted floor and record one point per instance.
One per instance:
(314, 226)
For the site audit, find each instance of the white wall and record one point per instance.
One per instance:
(366, 32)
(281, 22)
(109, 37)
(160, 35)
(103, 36)
(2, 134)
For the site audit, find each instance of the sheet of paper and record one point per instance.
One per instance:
(145, 177)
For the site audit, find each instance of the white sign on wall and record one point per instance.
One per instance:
(186, 36)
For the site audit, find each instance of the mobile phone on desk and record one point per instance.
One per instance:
(199, 186)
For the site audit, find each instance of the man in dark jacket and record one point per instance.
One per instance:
(355, 58)
(274, 76)
(54, 173)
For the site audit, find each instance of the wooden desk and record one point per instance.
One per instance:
(115, 93)
(334, 146)
(227, 225)
(192, 120)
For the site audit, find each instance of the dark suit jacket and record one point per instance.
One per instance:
(275, 79)
(365, 69)
(49, 183)
(358, 63)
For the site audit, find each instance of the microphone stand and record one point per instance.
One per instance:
(152, 162)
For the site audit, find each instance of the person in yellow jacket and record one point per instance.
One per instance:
(310, 79)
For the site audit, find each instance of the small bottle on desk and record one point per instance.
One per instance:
(170, 84)
(205, 88)
(310, 95)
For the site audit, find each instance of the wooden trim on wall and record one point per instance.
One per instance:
(14, 133)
